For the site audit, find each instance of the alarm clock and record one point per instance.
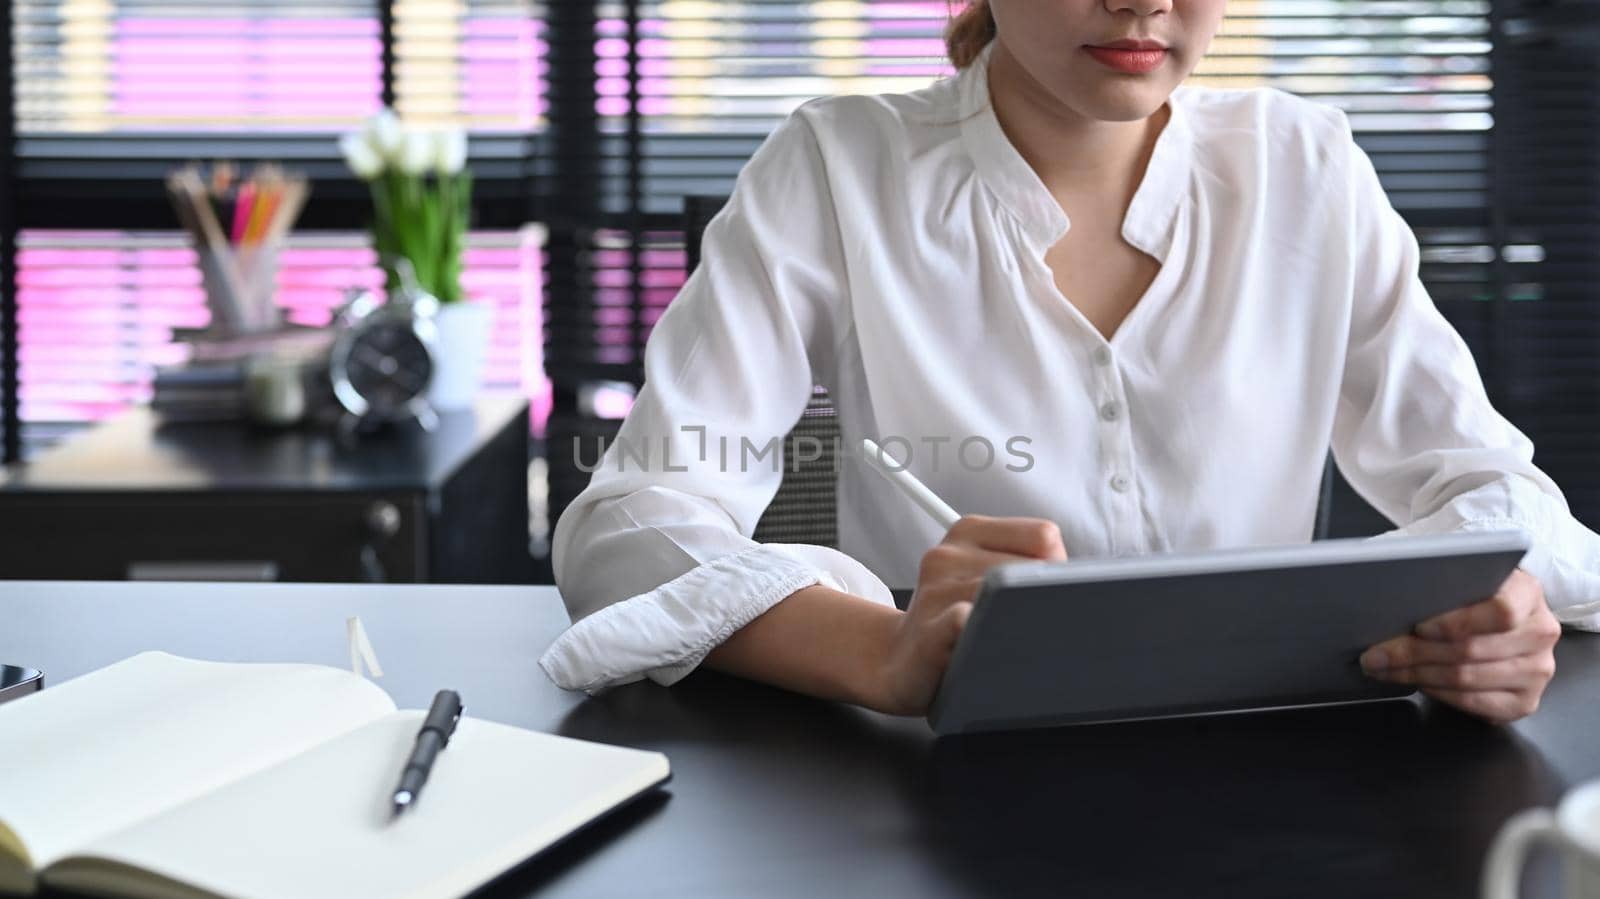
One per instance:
(382, 359)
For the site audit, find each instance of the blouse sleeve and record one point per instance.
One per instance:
(654, 558)
(1414, 432)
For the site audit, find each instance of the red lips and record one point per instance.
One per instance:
(1134, 56)
(1132, 44)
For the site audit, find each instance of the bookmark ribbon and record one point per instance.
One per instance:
(361, 648)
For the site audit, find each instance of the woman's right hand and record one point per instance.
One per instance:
(947, 585)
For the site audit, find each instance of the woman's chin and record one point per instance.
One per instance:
(1122, 103)
(1099, 93)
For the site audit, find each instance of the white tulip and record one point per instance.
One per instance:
(359, 155)
(450, 150)
(385, 136)
(417, 152)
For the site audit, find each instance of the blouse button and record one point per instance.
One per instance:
(1102, 356)
(1109, 412)
(1120, 483)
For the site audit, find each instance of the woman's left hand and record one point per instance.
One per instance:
(1492, 658)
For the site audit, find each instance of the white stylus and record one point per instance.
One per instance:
(906, 481)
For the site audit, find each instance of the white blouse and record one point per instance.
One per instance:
(891, 248)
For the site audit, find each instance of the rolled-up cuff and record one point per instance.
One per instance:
(664, 633)
(840, 571)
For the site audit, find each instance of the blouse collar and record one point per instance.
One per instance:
(1155, 203)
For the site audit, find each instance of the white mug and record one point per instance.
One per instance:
(1573, 829)
(274, 390)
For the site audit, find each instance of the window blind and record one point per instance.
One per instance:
(97, 67)
(479, 63)
(108, 96)
(96, 312)
(1545, 322)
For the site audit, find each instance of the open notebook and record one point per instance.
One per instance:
(166, 777)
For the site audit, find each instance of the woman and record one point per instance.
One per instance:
(1156, 304)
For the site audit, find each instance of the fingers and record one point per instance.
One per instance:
(956, 561)
(916, 663)
(1033, 538)
(949, 623)
(1520, 673)
(938, 637)
(1499, 676)
(1540, 632)
(1518, 598)
(1499, 706)
(935, 597)
(952, 571)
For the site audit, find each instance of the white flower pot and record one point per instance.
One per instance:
(461, 348)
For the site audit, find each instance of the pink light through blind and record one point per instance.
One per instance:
(480, 63)
(661, 275)
(182, 65)
(186, 66)
(699, 62)
(96, 309)
(221, 73)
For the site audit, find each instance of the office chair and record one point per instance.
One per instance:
(805, 508)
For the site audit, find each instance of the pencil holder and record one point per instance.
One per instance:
(240, 287)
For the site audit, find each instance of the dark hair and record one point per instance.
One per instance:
(969, 32)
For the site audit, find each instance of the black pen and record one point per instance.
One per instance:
(434, 736)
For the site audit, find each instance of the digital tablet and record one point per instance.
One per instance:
(1171, 634)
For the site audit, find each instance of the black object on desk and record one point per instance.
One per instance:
(135, 498)
(16, 682)
(441, 722)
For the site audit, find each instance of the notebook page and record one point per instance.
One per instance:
(318, 825)
(94, 754)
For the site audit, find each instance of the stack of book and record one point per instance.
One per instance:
(211, 385)
(200, 391)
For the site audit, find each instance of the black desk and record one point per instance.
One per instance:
(141, 499)
(778, 795)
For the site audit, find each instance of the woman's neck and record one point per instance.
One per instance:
(1072, 154)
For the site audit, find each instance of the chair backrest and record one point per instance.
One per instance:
(805, 508)
(1325, 500)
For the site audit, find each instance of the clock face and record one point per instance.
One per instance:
(388, 365)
